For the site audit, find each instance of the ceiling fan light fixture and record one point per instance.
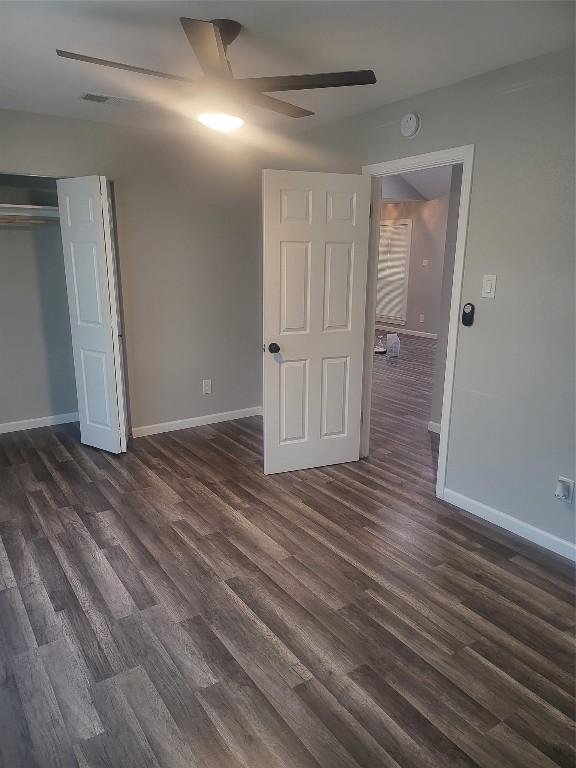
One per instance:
(221, 121)
(209, 41)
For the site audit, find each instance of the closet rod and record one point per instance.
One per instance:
(28, 214)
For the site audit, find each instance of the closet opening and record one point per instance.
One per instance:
(60, 338)
(37, 381)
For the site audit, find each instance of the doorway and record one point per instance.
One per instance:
(418, 232)
(319, 310)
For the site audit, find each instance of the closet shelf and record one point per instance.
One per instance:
(28, 214)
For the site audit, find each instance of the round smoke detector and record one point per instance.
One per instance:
(410, 125)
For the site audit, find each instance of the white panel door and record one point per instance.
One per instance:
(315, 260)
(85, 219)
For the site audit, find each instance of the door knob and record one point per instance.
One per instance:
(274, 348)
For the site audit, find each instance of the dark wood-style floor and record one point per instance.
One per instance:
(173, 607)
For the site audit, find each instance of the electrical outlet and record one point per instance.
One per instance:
(206, 386)
(564, 489)
(421, 318)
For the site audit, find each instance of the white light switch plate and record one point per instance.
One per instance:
(489, 287)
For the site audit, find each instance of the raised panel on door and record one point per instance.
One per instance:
(296, 206)
(293, 401)
(95, 388)
(86, 283)
(334, 396)
(338, 267)
(341, 207)
(79, 210)
(294, 287)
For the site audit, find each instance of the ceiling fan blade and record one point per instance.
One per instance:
(308, 82)
(126, 67)
(207, 43)
(274, 105)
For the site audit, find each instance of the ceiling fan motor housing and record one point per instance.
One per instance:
(229, 30)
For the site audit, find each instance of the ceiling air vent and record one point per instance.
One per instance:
(113, 101)
(98, 97)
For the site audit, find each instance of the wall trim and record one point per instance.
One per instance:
(196, 421)
(434, 426)
(41, 421)
(513, 524)
(406, 331)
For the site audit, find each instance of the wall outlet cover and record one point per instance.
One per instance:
(565, 489)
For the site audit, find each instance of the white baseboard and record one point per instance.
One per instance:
(406, 331)
(502, 520)
(434, 426)
(41, 421)
(196, 421)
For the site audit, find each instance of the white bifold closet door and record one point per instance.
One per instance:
(315, 261)
(393, 266)
(85, 220)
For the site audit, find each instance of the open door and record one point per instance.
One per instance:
(85, 219)
(315, 261)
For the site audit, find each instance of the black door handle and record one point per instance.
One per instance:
(274, 348)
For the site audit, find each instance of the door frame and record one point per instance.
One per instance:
(456, 155)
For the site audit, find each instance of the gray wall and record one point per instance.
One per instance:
(428, 238)
(446, 293)
(189, 248)
(36, 366)
(512, 429)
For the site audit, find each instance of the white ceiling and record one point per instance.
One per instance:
(417, 186)
(432, 183)
(412, 47)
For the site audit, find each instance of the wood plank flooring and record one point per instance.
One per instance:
(173, 607)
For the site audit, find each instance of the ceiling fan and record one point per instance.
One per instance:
(209, 41)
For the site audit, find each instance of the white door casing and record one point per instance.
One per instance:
(315, 261)
(85, 220)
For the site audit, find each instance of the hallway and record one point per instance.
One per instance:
(401, 403)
